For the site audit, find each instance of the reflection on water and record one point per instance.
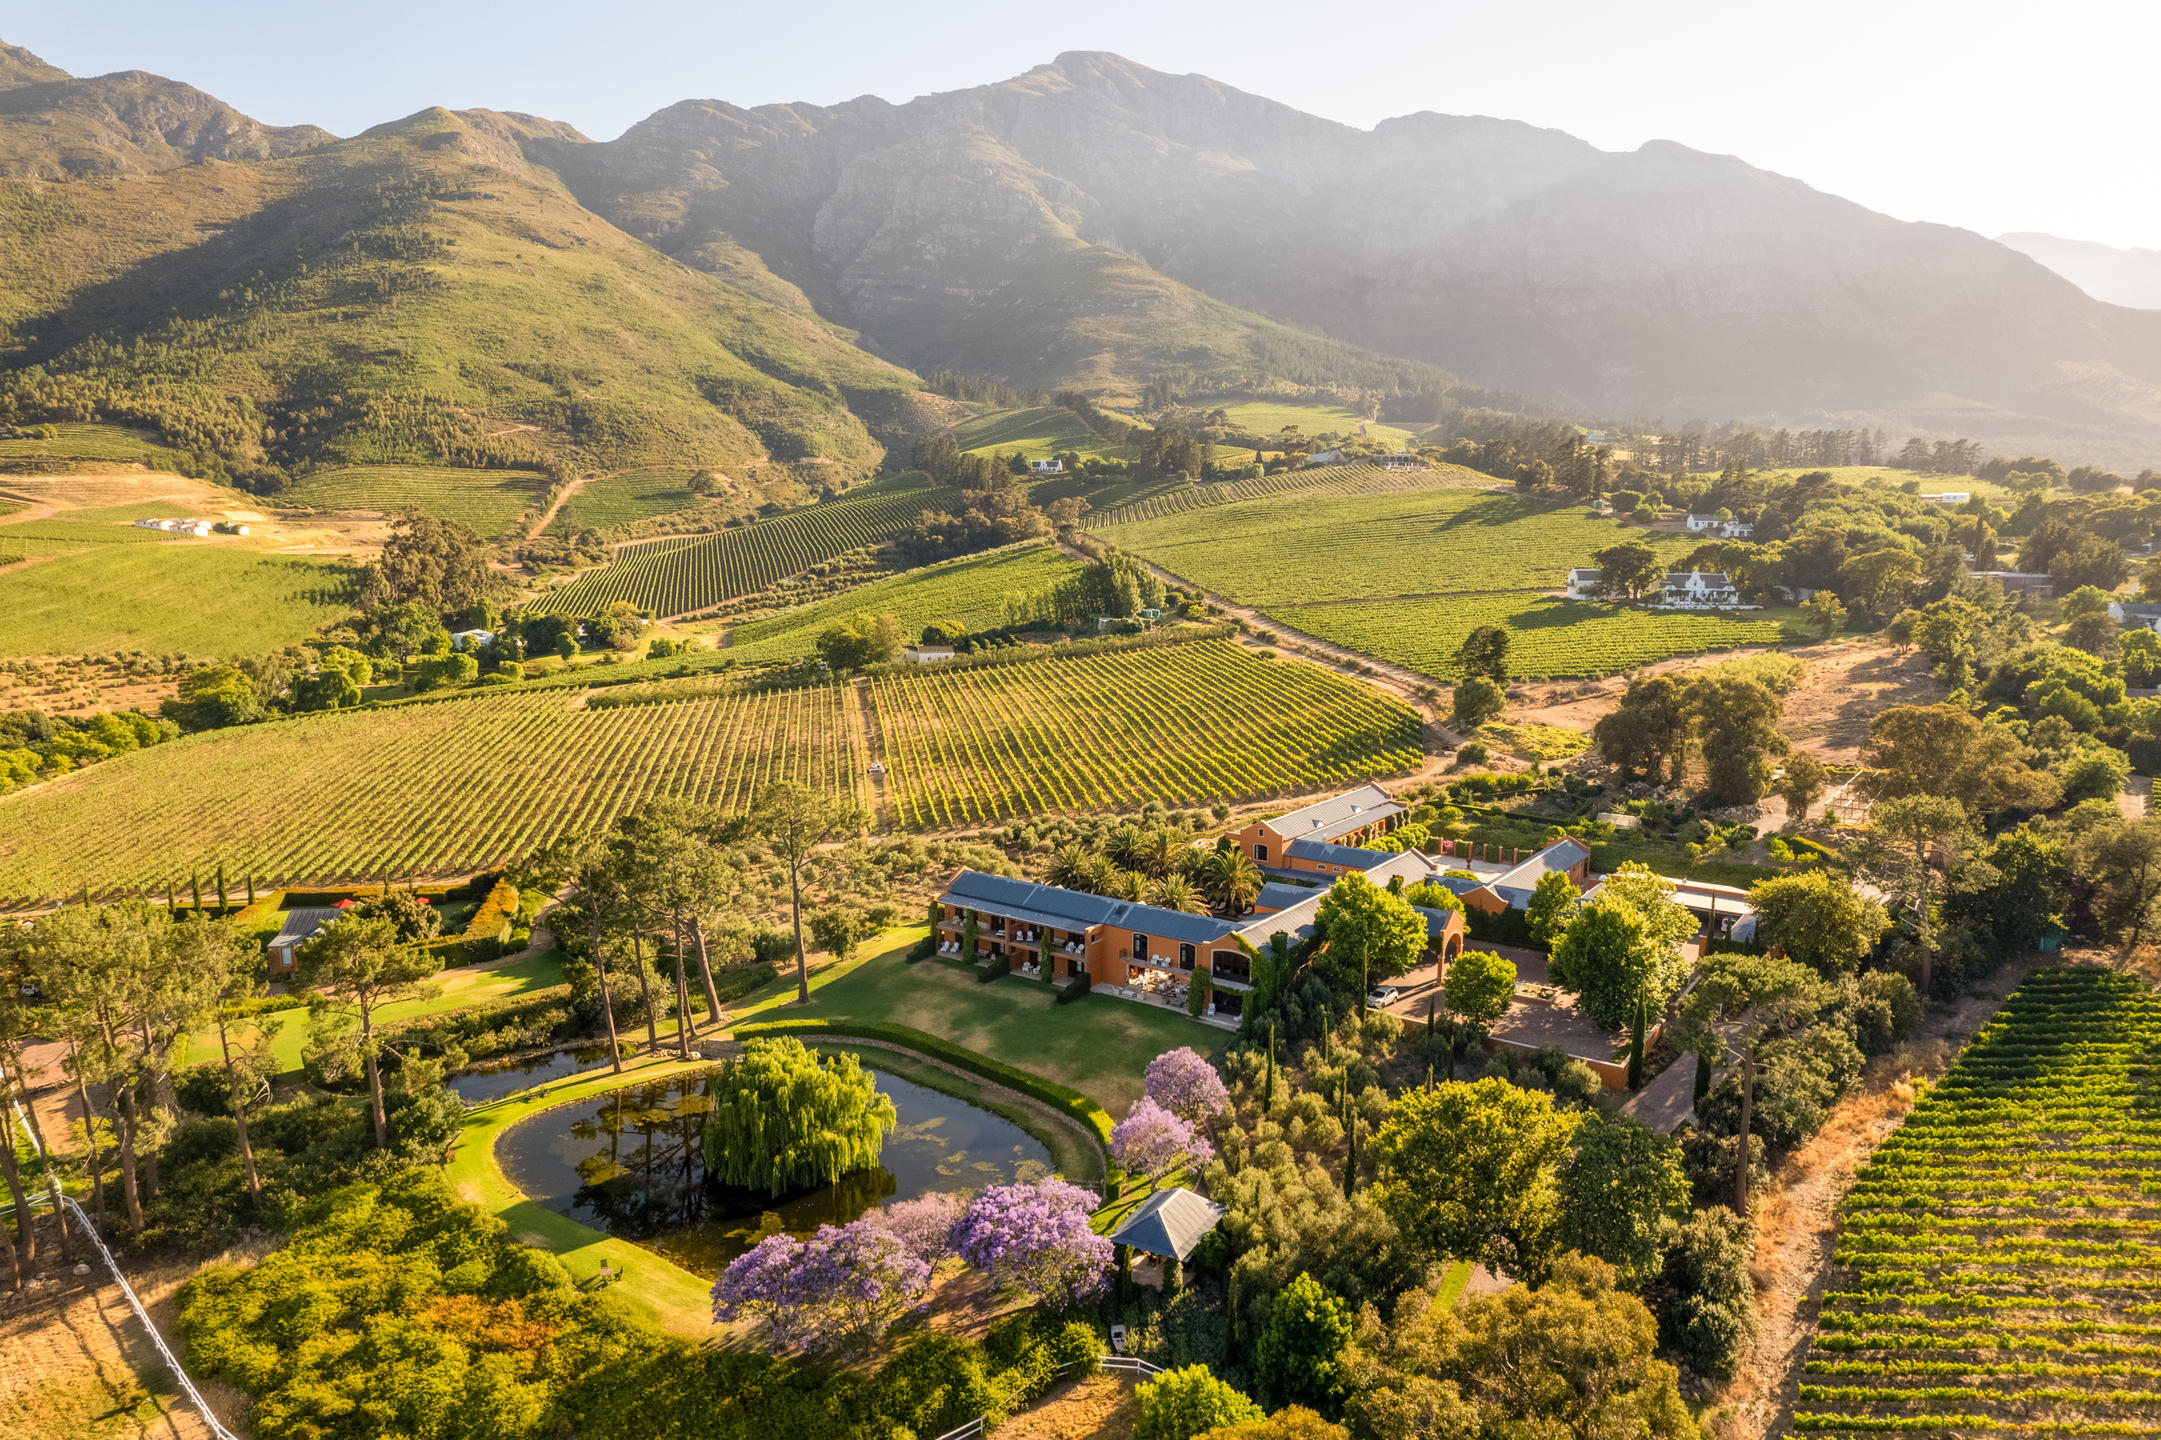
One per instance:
(476, 1087)
(632, 1163)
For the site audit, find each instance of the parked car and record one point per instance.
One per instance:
(1380, 997)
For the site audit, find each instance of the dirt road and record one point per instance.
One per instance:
(1795, 1222)
(570, 488)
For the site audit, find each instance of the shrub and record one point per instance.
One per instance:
(1180, 1404)
(1705, 1301)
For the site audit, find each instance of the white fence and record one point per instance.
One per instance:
(1123, 1364)
(172, 1361)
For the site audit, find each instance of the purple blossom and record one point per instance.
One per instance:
(926, 1225)
(1184, 1083)
(1036, 1238)
(842, 1287)
(1152, 1141)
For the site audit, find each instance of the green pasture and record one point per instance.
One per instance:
(201, 597)
(1266, 417)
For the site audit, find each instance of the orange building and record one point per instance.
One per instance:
(1343, 821)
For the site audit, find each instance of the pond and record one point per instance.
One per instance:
(493, 1082)
(631, 1162)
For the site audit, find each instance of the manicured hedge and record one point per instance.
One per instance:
(1058, 1097)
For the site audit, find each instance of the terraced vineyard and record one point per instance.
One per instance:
(1548, 638)
(446, 787)
(489, 501)
(671, 577)
(1322, 480)
(1180, 724)
(2000, 1257)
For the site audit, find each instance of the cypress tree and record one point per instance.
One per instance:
(221, 887)
(251, 887)
(195, 888)
(1268, 1088)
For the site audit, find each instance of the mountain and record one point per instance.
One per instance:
(53, 125)
(421, 292)
(2120, 277)
(1098, 223)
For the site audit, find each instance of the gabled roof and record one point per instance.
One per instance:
(1712, 580)
(1076, 909)
(1355, 857)
(1585, 575)
(1516, 885)
(298, 925)
(1337, 815)
(1279, 895)
(1295, 921)
(1169, 1223)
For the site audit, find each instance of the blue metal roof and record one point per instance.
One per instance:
(1350, 856)
(1169, 1223)
(1276, 895)
(1076, 909)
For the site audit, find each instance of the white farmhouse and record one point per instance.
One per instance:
(926, 654)
(1723, 529)
(1700, 590)
(1046, 467)
(1583, 583)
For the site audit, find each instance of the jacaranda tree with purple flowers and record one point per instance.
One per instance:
(1152, 1141)
(1184, 1083)
(1035, 1237)
(926, 1225)
(840, 1289)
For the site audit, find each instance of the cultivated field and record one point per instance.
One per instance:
(1998, 1268)
(443, 787)
(1266, 417)
(1297, 548)
(1035, 434)
(971, 590)
(1179, 724)
(201, 596)
(452, 786)
(1317, 480)
(488, 501)
(1549, 638)
(607, 502)
(677, 577)
(83, 445)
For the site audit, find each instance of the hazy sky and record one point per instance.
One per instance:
(1979, 113)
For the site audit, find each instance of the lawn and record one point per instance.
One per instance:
(489, 501)
(971, 590)
(1302, 547)
(204, 598)
(451, 990)
(1097, 1045)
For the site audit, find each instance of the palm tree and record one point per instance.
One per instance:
(1072, 868)
(1129, 885)
(1123, 845)
(1230, 879)
(1159, 853)
(1104, 877)
(1175, 892)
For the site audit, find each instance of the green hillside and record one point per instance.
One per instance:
(971, 590)
(416, 295)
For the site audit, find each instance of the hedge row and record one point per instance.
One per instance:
(1058, 1097)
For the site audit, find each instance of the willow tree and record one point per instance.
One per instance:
(785, 1120)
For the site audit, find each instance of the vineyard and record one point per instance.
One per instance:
(971, 590)
(1176, 724)
(677, 577)
(1321, 480)
(609, 502)
(196, 596)
(1998, 1256)
(487, 501)
(456, 785)
(1548, 638)
(440, 788)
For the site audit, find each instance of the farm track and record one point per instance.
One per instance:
(570, 488)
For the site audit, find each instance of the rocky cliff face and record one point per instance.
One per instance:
(1137, 223)
(53, 125)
